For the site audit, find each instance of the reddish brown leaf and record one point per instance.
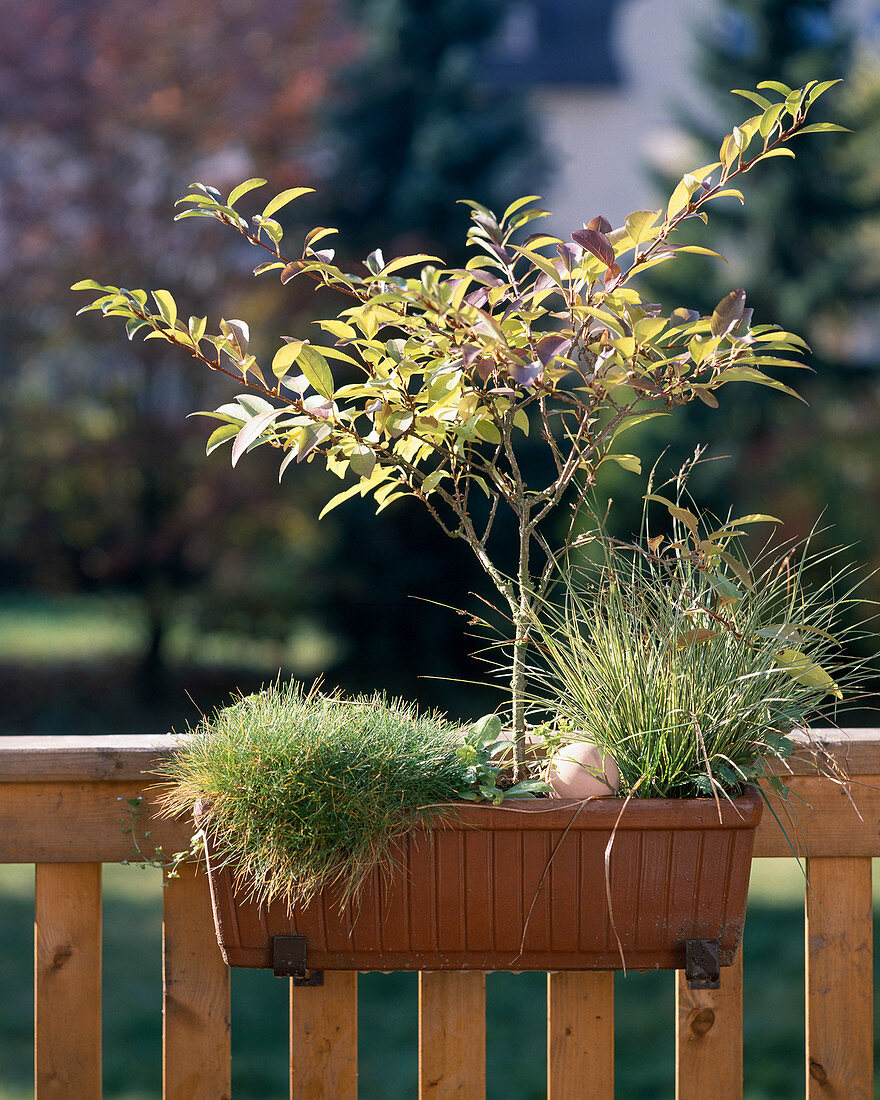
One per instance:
(597, 243)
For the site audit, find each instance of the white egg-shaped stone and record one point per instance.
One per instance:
(582, 770)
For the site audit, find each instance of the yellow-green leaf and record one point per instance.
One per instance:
(283, 199)
(805, 671)
(407, 261)
(167, 306)
(237, 192)
(286, 357)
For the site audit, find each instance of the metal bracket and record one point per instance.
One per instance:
(702, 968)
(289, 961)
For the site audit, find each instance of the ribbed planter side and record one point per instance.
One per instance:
(524, 888)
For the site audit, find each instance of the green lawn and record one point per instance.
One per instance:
(774, 1015)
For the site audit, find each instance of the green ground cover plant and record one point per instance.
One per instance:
(301, 790)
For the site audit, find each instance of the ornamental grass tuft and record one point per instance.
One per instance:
(306, 790)
(691, 691)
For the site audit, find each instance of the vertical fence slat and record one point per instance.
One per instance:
(323, 1038)
(708, 1037)
(452, 1035)
(580, 1035)
(195, 1018)
(67, 975)
(839, 979)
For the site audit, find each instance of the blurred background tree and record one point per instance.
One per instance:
(108, 111)
(805, 245)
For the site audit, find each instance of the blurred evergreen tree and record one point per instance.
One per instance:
(805, 248)
(414, 127)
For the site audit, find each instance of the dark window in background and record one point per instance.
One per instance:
(555, 42)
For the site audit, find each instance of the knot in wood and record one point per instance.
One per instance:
(817, 1072)
(701, 1020)
(61, 956)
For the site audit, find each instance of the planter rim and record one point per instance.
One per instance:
(743, 812)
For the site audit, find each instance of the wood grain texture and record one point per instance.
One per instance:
(452, 1035)
(580, 1035)
(36, 823)
(323, 1038)
(67, 966)
(88, 759)
(129, 756)
(839, 980)
(195, 990)
(708, 1037)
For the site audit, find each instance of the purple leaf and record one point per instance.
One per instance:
(551, 346)
(527, 375)
(741, 328)
(488, 223)
(543, 282)
(319, 406)
(485, 277)
(600, 224)
(597, 243)
(469, 352)
(477, 297)
(568, 254)
(515, 304)
(325, 255)
(484, 368)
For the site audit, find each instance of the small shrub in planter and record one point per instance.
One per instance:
(426, 385)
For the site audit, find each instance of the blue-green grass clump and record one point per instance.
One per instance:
(689, 683)
(305, 790)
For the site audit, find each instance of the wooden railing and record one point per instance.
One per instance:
(60, 809)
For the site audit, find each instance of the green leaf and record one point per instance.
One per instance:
(249, 185)
(750, 374)
(823, 128)
(753, 96)
(540, 262)
(316, 368)
(167, 306)
(628, 462)
(632, 421)
(283, 199)
(640, 223)
(776, 86)
(518, 204)
(362, 461)
(197, 327)
(90, 284)
(488, 430)
(725, 588)
(221, 435)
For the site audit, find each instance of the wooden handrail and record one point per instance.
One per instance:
(64, 805)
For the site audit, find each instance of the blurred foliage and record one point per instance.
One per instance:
(805, 249)
(414, 127)
(107, 111)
